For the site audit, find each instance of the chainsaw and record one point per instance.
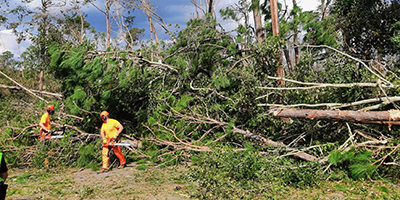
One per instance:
(57, 136)
(112, 143)
(50, 135)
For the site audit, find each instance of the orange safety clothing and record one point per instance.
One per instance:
(44, 135)
(104, 113)
(50, 107)
(117, 152)
(45, 120)
(110, 128)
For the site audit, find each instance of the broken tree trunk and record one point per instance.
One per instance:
(390, 117)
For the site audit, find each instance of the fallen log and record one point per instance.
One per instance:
(389, 117)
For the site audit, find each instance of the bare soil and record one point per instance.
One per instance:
(127, 183)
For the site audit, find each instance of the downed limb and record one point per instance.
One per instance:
(390, 117)
(324, 85)
(29, 91)
(82, 133)
(58, 96)
(196, 118)
(268, 142)
(385, 101)
(356, 59)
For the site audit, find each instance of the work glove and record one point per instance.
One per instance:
(104, 141)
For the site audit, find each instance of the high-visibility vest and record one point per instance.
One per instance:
(1, 158)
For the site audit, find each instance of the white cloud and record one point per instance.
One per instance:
(8, 42)
(306, 5)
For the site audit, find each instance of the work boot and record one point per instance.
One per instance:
(121, 166)
(102, 170)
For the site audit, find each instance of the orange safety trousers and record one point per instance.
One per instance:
(44, 135)
(117, 152)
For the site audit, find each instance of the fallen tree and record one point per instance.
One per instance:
(390, 117)
(204, 119)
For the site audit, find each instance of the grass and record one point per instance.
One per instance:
(164, 183)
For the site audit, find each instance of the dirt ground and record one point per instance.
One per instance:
(127, 183)
(142, 181)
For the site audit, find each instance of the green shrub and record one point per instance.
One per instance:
(247, 174)
(357, 164)
(88, 157)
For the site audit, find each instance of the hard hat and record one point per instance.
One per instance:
(50, 107)
(104, 114)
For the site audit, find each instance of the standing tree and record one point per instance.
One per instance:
(367, 26)
(257, 20)
(74, 24)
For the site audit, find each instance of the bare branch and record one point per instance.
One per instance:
(356, 59)
(30, 92)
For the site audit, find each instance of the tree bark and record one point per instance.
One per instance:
(257, 21)
(210, 7)
(20, 59)
(287, 57)
(108, 25)
(275, 32)
(296, 48)
(147, 10)
(274, 17)
(41, 80)
(390, 117)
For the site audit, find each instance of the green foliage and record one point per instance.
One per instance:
(322, 32)
(246, 174)
(89, 157)
(357, 164)
(368, 26)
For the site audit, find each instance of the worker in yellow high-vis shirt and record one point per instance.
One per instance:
(45, 126)
(110, 130)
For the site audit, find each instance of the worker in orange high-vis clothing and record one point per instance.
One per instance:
(110, 130)
(45, 130)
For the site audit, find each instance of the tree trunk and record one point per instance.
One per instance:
(296, 48)
(324, 10)
(275, 32)
(210, 7)
(287, 57)
(257, 21)
(147, 10)
(20, 59)
(390, 117)
(274, 17)
(108, 6)
(41, 80)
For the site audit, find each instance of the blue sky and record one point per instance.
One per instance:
(172, 11)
